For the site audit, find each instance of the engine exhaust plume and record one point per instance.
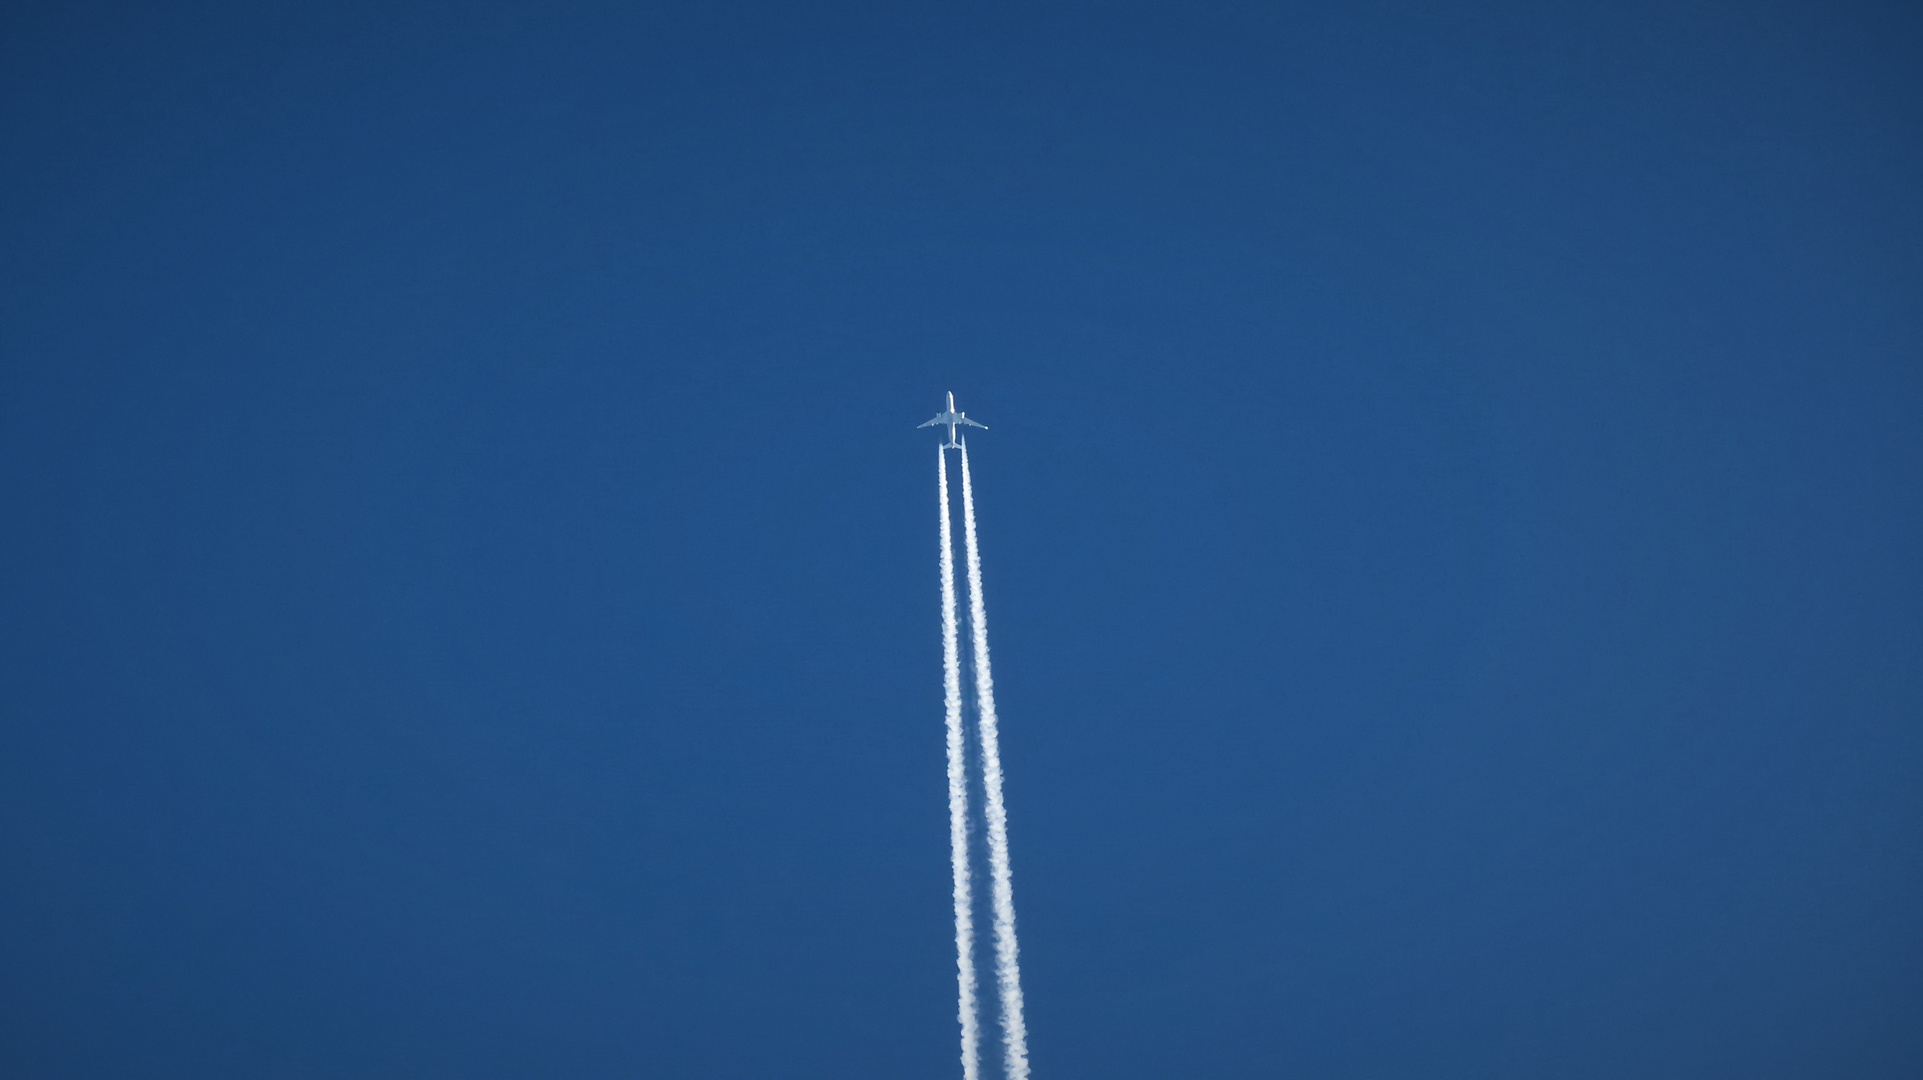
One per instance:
(1008, 975)
(968, 1009)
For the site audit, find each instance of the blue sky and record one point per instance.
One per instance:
(1450, 519)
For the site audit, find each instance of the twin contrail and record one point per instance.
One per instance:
(1008, 976)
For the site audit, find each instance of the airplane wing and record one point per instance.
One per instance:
(970, 423)
(937, 420)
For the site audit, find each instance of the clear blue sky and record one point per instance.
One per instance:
(1452, 521)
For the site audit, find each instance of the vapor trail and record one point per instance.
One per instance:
(1008, 973)
(968, 1009)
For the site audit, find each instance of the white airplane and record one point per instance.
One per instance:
(951, 418)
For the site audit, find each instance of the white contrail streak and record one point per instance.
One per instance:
(958, 795)
(1008, 973)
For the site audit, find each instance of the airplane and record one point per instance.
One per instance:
(951, 418)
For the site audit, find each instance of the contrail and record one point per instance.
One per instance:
(1008, 973)
(958, 793)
